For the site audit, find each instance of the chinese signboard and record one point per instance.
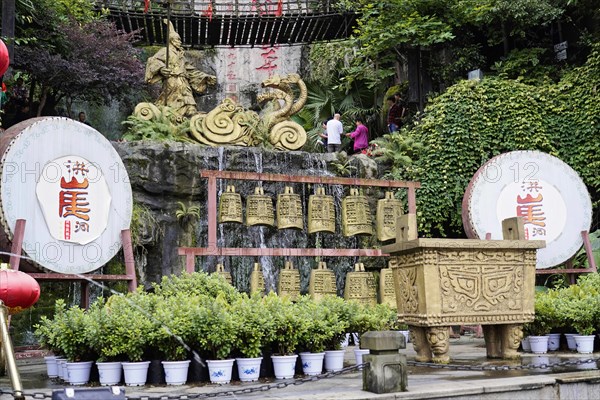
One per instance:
(69, 184)
(545, 192)
(74, 199)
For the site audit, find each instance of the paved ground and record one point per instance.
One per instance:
(423, 383)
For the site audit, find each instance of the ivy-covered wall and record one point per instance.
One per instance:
(475, 120)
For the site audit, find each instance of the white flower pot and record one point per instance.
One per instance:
(219, 371)
(539, 344)
(51, 366)
(284, 367)
(358, 355)
(65, 371)
(176, 372)
(249, 368)
(79, 372)
(312, 363)
(334, 360)
(525, 344)
(406, 336)
(553, 341)
(584, 343)
(571, 341)
(109, 373)
(136, 373)
(59, 368)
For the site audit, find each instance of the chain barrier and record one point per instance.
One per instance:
(296, 382)
(461, 367)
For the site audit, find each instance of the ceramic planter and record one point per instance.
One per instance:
(358, 355)
(584, 343)
(571, 341)
(525, 344)
(219, 371)
(136, 373)
(553, 341)
(248, 368)
(312, 363)
(539, 344)
(284, 367)
(109, 373)
(176, 372)
(334, 360)
(79, 372)
(51, 366)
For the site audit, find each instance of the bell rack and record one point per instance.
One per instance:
(214, 250)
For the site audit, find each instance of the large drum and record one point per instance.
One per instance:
(547, 193)
(69, 184)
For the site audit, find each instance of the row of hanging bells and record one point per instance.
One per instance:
(356, 214)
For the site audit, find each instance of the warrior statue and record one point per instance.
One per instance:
(179, 77)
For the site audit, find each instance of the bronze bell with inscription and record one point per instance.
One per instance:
(289, 282)
(220, 270)
(321, 212)
(356, 215)
(322, 282)
(257, 280)
(389, 210)
(230, 206)
(259, 209)
(289, 210)
(361, 286)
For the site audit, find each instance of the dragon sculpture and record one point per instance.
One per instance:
(231, 124)
(285, 134)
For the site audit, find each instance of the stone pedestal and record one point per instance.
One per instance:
(444, 282)
(387, 370)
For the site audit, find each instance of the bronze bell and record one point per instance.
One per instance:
(356, 215)
(257, 280)
(389, 210)
(321, 212)
(387, 290)
(259, 209)
(322, 282)
(230, 206)
(361, 286)
(221, 271)
(289, 210)
(289, 282)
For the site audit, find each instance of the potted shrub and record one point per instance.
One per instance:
(285, 334)
(130, 336)
(541, 325)
(70, 337)
(253, 323)
(580, 304)
(215, 334)
(174, 329)
(370, 318)
(98, 331)
(317, 330)
(45, 333)
(339, 314)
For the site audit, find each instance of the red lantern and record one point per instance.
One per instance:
(4, 59)
(18, 290)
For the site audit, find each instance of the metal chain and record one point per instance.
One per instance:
(262, 388)
(459, 367)
(296, 382)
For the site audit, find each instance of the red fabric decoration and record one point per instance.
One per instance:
(146, 5)
(4, 59)
(3, 87)
(279, 10)
(18, 290)
(209, 12)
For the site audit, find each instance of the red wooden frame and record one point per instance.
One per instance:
(15, 259)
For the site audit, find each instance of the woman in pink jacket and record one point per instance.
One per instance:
(360, 136)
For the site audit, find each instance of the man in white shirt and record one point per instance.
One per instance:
(334, 134)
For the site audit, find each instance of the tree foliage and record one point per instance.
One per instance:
(77, 55)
